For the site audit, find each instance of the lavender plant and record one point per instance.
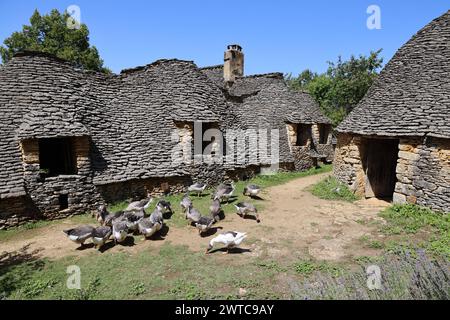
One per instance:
(412, 275)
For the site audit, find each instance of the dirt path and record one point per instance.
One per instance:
(294, 224)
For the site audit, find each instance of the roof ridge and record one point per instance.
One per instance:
(268, 75)
(217, 66)
(32, 53)
(54, 57)
(154, 63)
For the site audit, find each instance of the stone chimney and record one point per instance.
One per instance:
(233, 63)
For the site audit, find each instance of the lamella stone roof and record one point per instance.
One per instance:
(130, 118)
(50, 125)
(265, 101)
(411, 96)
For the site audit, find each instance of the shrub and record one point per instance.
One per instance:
(407, 276)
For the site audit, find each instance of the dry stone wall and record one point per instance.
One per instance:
(138, 189)
(423, 173)
(45, 191)
(347, 164)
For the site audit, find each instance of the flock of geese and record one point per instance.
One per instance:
(134, 220)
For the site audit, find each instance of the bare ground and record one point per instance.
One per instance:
(294, 224)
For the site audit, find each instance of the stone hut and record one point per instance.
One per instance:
(396, 142)
(72, 139)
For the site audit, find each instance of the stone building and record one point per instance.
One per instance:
(72, 139)
(396, 142)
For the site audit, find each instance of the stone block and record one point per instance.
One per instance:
(408, 155)
(398, 198)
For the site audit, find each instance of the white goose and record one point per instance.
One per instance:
(251, 190)
(224, 191)
(148, 228)
(101, 235)
(120, 230)
(192, 214)
(230, 239)
(80, 234)
(197, 187)
(185, 202)
(204, 224)
(139, 205)
(244, 208)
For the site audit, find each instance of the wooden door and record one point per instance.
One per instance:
(381, 162)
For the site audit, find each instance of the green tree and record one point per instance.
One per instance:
(50, 34)
(303, 79)
(342, 86)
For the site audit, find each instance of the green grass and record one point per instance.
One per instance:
(307, 268)
(24, 228)
(366, 260)
(29, 229)
(175, 272)
(425, 228)
(331, 189)
(170, 272)
(371, 243)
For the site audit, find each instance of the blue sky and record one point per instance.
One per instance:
(284, 36)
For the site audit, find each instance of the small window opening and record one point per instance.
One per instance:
(303, 134)
(324, 132)
(63, 201)
(56, 156)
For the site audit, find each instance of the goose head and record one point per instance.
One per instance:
(101, 213)
(150, 200)
(210, 246)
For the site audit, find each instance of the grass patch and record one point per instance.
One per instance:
(24, 228)
(270, 265)
(365, 260)
(282, 177)
(332, 189)
(170, 272)
(409, 219)
(371, 243)
(28, 229)
(307, 268)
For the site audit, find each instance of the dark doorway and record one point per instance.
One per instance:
(380, 164)
(56, 156)
(324, 131)
(303, 134)
(63, 201)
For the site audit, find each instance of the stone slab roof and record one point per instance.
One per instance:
(411, 96)
(267, 102)
(129, 117)
(301, 106)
